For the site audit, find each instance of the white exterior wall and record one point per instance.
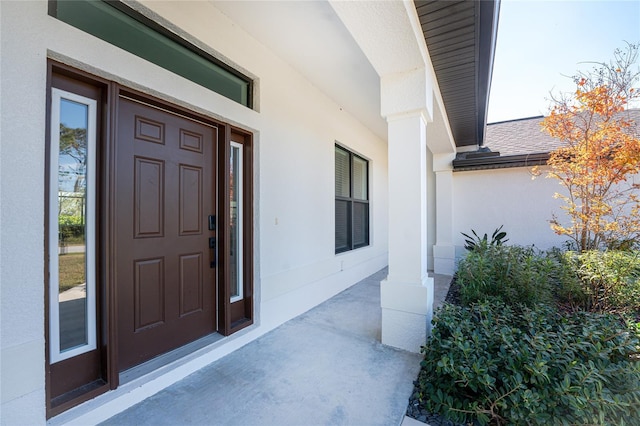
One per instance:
(295, 127)
(485, 199)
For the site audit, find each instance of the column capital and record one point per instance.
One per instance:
(407, 92)
(404, 115)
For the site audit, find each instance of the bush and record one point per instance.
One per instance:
(510, 274)
(71, 228)
(601, 281)
(492, 363)
(474, 242)
(67, 220)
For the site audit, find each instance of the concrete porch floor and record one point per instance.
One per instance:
(324, 367)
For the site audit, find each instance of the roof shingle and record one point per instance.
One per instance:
(522, 136)
(517, 143)
(525, 136)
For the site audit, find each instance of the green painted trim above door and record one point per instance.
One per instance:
(118, 24)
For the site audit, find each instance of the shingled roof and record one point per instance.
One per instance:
(515, 143)
(522, 136)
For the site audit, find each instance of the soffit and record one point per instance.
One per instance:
(310, 37)
(460, 37)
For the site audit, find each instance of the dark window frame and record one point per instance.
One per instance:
(352, 202)
(171, 36)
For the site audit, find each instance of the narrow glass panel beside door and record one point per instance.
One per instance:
(235, 195)
(72, 284)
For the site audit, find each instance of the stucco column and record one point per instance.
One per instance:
(409, 99)
(444, 250)
(407, 293)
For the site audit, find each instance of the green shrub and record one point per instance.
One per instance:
(601, 281)
(493, 363)
(628, 244)
(66, 220)
(511, 274)
(476, 243)
(71, 228)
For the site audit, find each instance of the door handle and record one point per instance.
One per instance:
(212, 246)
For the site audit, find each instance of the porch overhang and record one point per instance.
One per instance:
(461, 39)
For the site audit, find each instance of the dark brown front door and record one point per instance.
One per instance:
(165, 191)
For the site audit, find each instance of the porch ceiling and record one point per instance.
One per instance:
(460, 37)
(310, 37)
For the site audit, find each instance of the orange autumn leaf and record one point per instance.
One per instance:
(599, 163)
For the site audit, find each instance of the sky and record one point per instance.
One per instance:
(542, 43)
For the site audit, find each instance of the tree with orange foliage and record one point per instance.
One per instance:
(599, 162)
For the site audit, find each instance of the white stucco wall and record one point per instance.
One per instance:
(485, 199)
(295, 131)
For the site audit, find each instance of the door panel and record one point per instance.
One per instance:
(191, 283)
(165, 191)
(148, 293)
(148, 197)
(190, 200)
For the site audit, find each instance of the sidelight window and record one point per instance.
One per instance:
(235, 215)
(352, 201)
(72, 233)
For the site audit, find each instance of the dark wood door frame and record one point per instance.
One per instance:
(78, 379)
(231, 317)
(238, 315)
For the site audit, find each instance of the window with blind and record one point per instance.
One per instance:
(352, 201)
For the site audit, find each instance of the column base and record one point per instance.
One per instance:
(444, 259)
(407, 310)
